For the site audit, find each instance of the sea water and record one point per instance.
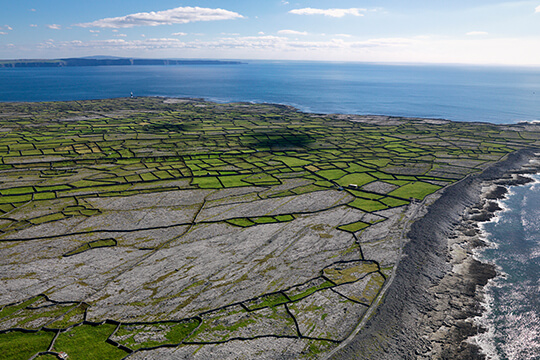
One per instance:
(462, 93)
(512, 319)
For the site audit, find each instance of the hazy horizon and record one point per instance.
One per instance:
(417, 32)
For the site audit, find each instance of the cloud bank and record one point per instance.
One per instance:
(470, 50)
(337, 13)
(292, 32)
(180, 15)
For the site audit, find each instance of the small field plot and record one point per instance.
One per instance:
(417, 190)
(15, 345)
(89, 342)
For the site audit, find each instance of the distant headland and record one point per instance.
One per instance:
(107, 61)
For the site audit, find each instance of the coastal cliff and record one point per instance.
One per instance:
(71, 62)
(427, 312)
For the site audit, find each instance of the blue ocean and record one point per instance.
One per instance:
(461, 93)
(513, 299)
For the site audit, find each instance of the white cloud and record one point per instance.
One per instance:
(33, 25)
(261, 32)
(537, 10)
(343, 35)
(477, 33)
(337, 13)
(179, 34)
(7, 27)
(471, 50)
(249, 43)
(3, 33)
(292, 32)
(33, 10)
(120, 35)
(94, 31)
(180, 15)
(54, 26)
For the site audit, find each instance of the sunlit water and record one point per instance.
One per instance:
(463, 93)
(513, 299)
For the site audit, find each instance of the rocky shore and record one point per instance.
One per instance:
(428, 311)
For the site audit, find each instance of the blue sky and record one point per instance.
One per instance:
(414, 31)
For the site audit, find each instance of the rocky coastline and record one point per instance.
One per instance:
(428, 310)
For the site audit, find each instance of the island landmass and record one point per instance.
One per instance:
(108, 61)
(153, 228)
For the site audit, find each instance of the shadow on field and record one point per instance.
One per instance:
(167, 127)
(282, 139)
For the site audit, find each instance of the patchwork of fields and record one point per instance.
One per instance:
(152, 228)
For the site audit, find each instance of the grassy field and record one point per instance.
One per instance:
(63, 164)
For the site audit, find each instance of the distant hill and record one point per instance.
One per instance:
(107, 61)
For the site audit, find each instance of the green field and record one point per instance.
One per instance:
(71, 171)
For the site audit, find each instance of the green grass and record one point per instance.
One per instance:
(418, 190)
(331, 174)
(264, 220)
(296, 296)
(209, 182)
(365, 195)
(242, 222)
(8, 310)
(6, 207)
(323, 183)
(284, 218)
(44, 196)
(267, 301)
(354, 227)
(17, 191)
(25, 319)
(306, 189)
(392, 202)
(355, 168)
(47, 218)
(398, 182)
(356, 178)
(88, 342)
(92, 245)
(87, 183)
(367, 205)
(233, 181)
(73, 317)
(175, 332)
(180, 331)
(262, 179)
(16, 345)
(15, 199)
(381, 176)
(350, 274)
(292, 161)
(149, 177)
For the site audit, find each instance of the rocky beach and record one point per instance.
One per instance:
(428, 311)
